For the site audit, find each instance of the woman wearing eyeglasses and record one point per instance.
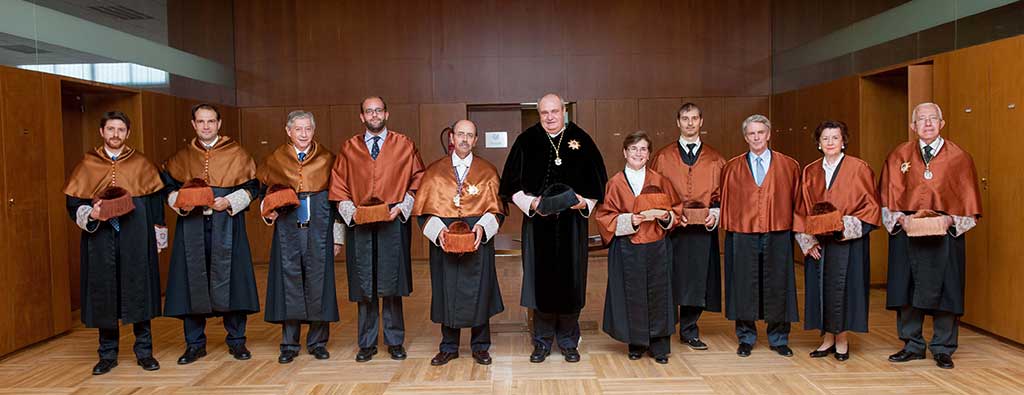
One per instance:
(837, 208)
(640, 207)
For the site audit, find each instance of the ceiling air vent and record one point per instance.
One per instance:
(120, 12)
(24, 49)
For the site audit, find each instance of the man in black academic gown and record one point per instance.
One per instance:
(462, 188)
(211, 270)
(120, 266)
(554, 153)
(300, 279)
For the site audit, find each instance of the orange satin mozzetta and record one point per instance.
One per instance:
(700, 183)
(225, 165)
(282, 167)
(438, 187)
(130, 171)
(853, 192)
(953, 188)
(618, 199)
(748, 208)
(359, 178)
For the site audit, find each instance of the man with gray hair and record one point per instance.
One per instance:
(300, 281)
(759, 190)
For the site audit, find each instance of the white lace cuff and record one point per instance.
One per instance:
(339, 233)
(590, 207)
(171, 198)
(406, 207)
(852, 227)
(962, 224)
(890, 219)
(523, 201)
(805, 241)
(490, 224)
(717, 214)
(161, 237)
(624, 225)
(347, 210)
(239, 200)
(82, 219)
(432, 228)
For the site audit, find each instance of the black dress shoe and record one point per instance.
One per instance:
(823, 353)
(192, 354)
(783, 350)
(539, 354)
(443, 358)
(104, 366)
(744, 350)
(635, 355)
(944, 361)
(366, 354)
(397, 352)
(240, 352)
(695, 344)
(482, 357)
(320, 353)
(904, 356)
(662, 359)
(842, 356)
(287, 356)
(148, 363)
(571, 355)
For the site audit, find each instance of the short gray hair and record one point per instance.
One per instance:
(756, 118)
(299, 114)
(913, 115)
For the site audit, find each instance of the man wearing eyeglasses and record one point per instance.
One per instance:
(373, 180)
(930, 176)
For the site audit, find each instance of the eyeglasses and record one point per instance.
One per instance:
(371, 111)
(635, 149)
(930, 118)
(463, 135)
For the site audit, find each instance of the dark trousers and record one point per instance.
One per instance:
(565, 328)
(945, 330)
(660, 346)
(778, 332)
(390, 309)
(688, 316)
(319, 332)
(480, 338)
(109, 339)
(195, 329)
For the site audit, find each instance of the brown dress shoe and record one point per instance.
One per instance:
(443, 358)
(482, 357)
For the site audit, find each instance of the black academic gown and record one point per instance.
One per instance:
(391, 264)
(300, 279)
(120, 277)
(697, 278)
(926, 273)
(465, 291)
(765, 291)
(554, 246)
(837, 287)
(211, 266)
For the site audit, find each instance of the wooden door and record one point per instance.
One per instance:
(264, 132)
(26, 265)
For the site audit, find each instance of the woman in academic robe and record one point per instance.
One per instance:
(836, 209)
(640, 207)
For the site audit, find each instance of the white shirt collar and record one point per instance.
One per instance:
(368, 137)
(467, 161)
(556, 134)
(831, 166)
(298, 151)
(636, 179)
(111, 154)
(683, 142)
(766, 155)
(211, 145)
(936, 145)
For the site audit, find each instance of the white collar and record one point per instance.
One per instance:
(367, 136)
(467, 161)
(214, 143)
(935, 144)
(297, 151)
(553, 135)
(831, 166)
(766, 155)
(111, 154)
(629, 170)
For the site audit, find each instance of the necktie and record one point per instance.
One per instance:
(376, 148)
(927, 154)
(759, 172)
(113, 221)
(691, 152)
(302, 156)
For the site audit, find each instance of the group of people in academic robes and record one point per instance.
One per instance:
(659, 216)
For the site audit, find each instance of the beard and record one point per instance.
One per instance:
(374, 127)
(114, 143)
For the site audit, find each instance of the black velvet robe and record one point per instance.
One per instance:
(926, 272)
(846, 275)
(378, 250)
(760, 289)
(555, 246)
(211, 265)
(120, 277)
(300, 279)
(465, 291)
(638, 304)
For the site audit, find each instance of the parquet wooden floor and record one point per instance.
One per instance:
(62, 365)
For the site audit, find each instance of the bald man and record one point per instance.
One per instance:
(554, 174)
(462, 188)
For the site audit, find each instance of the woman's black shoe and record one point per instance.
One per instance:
(824, 353)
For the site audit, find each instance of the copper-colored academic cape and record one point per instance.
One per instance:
(225, 165)
(282, 167)
(852, 192)
(618, 199)
(701, 182)
(439, 186)
(96, 172)
(953, 188)
(357, 177)
(748, 208)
